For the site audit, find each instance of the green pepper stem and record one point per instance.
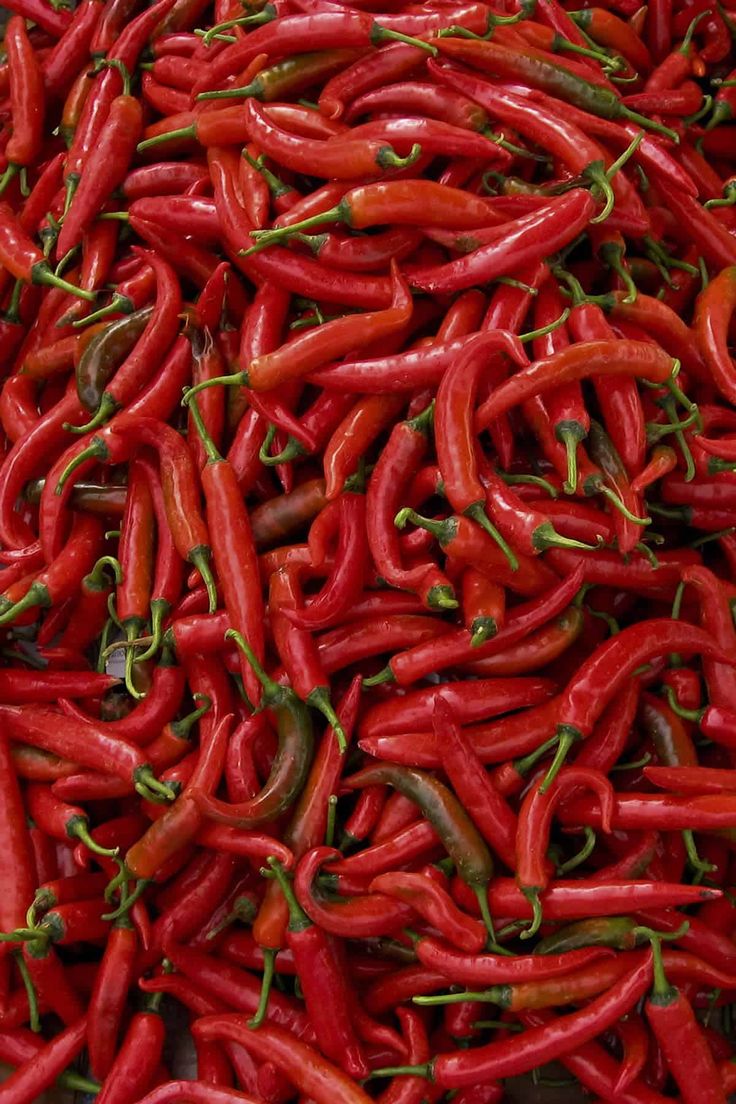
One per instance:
(74, 1082)
(383, 34)
(694, 859)
(127, 903)
(169, 136)
(41, 273)
(570, 439)
(320, 699)
(481, 892)
(155, 791)
(477, 512)
(482, 629)
(532, 895)
(105, 411)
(200, 558)
(542, 331)
(269, 958)
(438, 529)
(648, 124)
(8, 175)
(388, 158)
(210, 448)
(270, 687)
(159, 610)
(580, 856)
(235, 379)
(525, 764)
(119, 304)
(331, 820)
(424, 1070)
(546, 536)
(264, 238)
(36, 595)
(297, 915)
(133, 628)
(34, 1020)
(598, 176)
(615, 501)
(266, 15)
(485, 996)
(384, 675)
(81, 831)
(255, 89)
(567, 738)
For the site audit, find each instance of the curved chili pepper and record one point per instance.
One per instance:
(89, 745)
(456, 646)
(576, 362)
(535, 819)
(303, 1065)
(446, 815)
(521, 244)
(346, 583)
(537, 1045)
(613, 662)
(432, 902)
(41, 1070)
(290, 766)
(298, 650)
(406, 446)
(155, 341)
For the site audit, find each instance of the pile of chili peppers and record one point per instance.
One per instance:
(368, 551)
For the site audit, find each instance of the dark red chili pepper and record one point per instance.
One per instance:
(154, 343)
(446, 815)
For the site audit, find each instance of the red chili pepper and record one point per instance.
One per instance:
(303, 1065)
(537, 1045)
(672, 1020)
(25, 261)
(135, 1064)
(456, 645)
(115, 149)
(27, 100)
(41, 1070)
(321, 971)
